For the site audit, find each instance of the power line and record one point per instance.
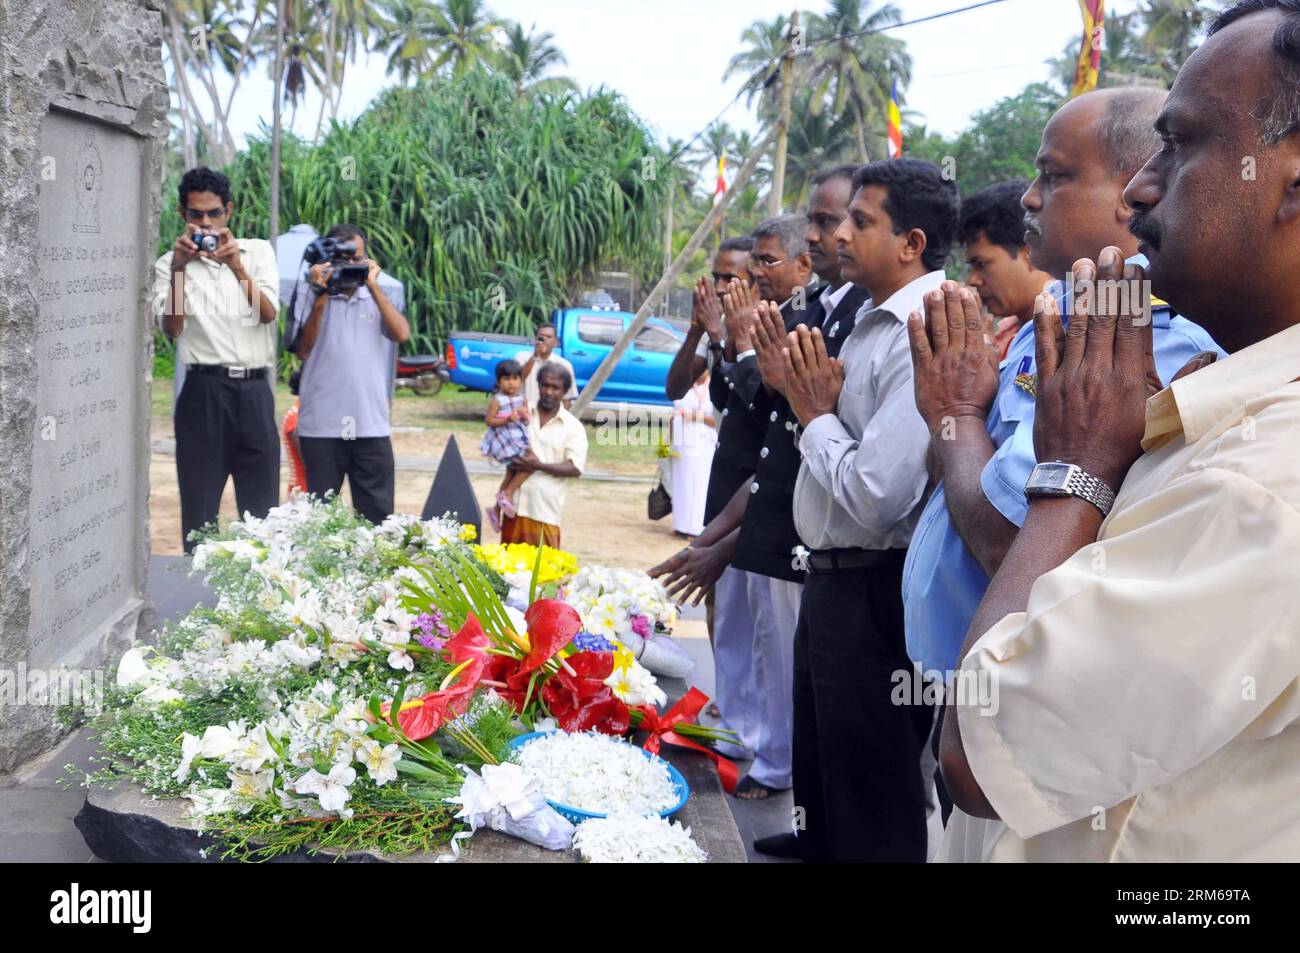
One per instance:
(771, 69)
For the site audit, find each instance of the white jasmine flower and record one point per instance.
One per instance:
(636, 840)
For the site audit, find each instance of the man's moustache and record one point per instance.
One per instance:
(1032, 224)
(1141, 226)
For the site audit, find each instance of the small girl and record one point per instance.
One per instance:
(507, 437)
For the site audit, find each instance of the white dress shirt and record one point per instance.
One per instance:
(863, 470)
(221, 327)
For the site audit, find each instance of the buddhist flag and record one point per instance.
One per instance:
(895, 130)
(722, 179)
(1089, 65)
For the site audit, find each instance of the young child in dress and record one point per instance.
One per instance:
(507, 437)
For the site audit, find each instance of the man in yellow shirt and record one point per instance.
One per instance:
(220, 304)
(1134, 668)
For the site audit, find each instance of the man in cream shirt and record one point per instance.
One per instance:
(220, 306)
(1146, 663)
(557, 452)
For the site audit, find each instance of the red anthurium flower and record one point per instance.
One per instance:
(470, 642)
(582, 701)
(467, 647)
(552, 624)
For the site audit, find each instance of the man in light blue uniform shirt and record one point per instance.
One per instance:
(1090, 150)
(942, 582)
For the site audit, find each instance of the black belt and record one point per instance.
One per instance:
(231, 371)
(838, 560)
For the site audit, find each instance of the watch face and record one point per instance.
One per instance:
(1051, 475)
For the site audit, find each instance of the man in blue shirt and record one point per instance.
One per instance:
(980, 414)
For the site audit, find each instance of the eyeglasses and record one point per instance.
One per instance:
(199, 214)
(763, 265)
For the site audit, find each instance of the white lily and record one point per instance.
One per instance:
(380, 760)
(191, 745)
(330, 789)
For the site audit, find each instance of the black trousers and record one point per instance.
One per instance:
(857, 755)
(367, 462)
(225, 427)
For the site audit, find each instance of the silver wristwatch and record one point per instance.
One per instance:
(1066, 479)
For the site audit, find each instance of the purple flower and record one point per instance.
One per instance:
(589, 642)
(433, 631)
(641, 626)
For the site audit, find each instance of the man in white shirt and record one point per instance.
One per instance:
(557, 452)
(220, 304)
(543, 352)
(1141, 649)
(857, 753)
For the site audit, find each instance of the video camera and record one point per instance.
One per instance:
(347, 274)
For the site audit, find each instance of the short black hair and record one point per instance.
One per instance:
(743, 243)
(508, 367)
(203, 179)
(917, 195)
(1278, 117)
(346, 230)
(996, 212)
(547, 324)
(1127, 133)
(844, 171)
(555, 369)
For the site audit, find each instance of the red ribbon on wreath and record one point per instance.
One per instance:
(686, 710)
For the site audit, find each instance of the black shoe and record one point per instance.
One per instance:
(780, 845)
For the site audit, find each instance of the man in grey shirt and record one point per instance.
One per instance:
(345, 340)
(857, 751)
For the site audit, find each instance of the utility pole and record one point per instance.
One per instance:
(275, 122)
(666, 281)
(777, 192)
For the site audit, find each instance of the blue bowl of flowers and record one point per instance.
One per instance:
(577, 815)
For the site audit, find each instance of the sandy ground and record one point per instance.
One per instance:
(604, 522)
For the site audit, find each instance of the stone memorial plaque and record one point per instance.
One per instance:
(81, 149)
(83, 531)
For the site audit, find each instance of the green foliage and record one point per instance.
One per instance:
(472, 196)
(1000, 143)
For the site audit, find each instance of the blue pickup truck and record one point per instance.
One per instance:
(586, 335)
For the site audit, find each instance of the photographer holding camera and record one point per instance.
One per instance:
(346, 327)
(217, 296)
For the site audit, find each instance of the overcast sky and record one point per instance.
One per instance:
(667, 57)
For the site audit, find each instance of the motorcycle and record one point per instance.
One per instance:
(423, 373)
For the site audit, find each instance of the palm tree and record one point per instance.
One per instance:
(461, 33)
(1126, 59)
(525, 57)
(817, 139)
(858, 70)
(402, 34)
(715, 142)
(1173, 28)
(759, 62)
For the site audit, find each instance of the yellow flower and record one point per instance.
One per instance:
(623, 659)
(468, 533)
(514, 562)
